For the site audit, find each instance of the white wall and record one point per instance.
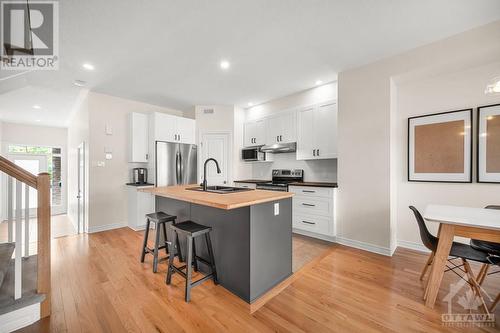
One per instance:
(225, 118)
(78, 133)
(38, 136)
(324, 93)
(321, 170)
(366, 138)
(448, 92)
(107, 191)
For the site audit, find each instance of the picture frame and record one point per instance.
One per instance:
(488, 144)
(440, 147)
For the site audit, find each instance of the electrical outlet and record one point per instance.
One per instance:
(277, 209)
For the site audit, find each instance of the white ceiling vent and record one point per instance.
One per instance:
(208, 111)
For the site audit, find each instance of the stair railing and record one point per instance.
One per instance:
(23, 180)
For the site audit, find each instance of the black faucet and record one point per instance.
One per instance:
(204, 185)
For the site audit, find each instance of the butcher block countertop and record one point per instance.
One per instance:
(223, 201)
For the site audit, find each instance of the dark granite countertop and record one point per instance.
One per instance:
(315, 184)
(140, 185)
(252, 181)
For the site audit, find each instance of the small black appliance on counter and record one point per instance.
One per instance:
(140, 175)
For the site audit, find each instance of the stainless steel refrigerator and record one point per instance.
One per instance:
(176, 164)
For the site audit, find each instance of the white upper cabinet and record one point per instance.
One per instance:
(186, 130)
(281, 128)
(317, 132)
(254, 133)
(138, 147)
(173, 129)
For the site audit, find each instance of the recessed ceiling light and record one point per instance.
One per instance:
(319, 82)
(88, 66)
(79, 83)
(250, 104)
(38, 120)
(224, 64)
(37, 107)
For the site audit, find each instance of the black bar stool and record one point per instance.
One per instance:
(160, 219)
(191, 230)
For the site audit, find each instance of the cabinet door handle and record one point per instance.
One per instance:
(308, 191)
(307, 222)
(175, 137)
(314, 152)
(179, 137)
(281, 139)
(147, 157)
(277, 138)
(317, 152)
(308, 205)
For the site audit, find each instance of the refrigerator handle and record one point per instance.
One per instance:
(178, 168)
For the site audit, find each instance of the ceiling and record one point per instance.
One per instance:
(167, 53)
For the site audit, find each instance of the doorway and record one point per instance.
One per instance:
(215, 145)
(37, 159)
(82, 226)
(35, 164)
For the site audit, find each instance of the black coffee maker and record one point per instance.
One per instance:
(140, 175)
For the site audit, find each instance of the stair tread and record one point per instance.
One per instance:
(29, 287)
(6, 250)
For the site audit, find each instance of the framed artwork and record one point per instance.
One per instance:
(440, 147)
(488, 144)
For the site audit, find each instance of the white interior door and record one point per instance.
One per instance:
(34, 164)
(82, 227)
(215, 145)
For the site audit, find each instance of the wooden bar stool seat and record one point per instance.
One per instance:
(191, 230)
(160, 219)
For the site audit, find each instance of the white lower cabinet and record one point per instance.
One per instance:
(313, 211)
(139, 204)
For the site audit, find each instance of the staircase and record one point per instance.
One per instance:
(24, 277)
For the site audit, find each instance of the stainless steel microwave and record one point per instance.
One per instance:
(252, 154)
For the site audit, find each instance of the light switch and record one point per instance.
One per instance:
(277, 208)
(108, 129)
(109, 156)
(100, 164)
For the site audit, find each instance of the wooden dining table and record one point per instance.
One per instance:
(454, 221)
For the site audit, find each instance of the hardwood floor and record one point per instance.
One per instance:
(100, 286)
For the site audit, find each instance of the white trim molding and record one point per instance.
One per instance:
(99, 228)
(413, 246)
(314, 235)
(365, 246)
(19, 318)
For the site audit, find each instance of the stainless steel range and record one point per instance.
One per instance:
(281, 179)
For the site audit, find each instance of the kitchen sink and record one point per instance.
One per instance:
(220, 189)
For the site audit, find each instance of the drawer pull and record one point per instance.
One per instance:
(308, 191)
(307, 222)
(309, 205)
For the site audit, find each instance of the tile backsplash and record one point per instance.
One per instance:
(315, 170)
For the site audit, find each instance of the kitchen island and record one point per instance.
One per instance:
(251, 234)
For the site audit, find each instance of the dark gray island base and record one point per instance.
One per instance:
(252, 245)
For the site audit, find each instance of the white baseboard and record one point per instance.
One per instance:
(138, 228)
(314, 235)
(20, 318)
(99, 228)
(364, 246)
(413, 246)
